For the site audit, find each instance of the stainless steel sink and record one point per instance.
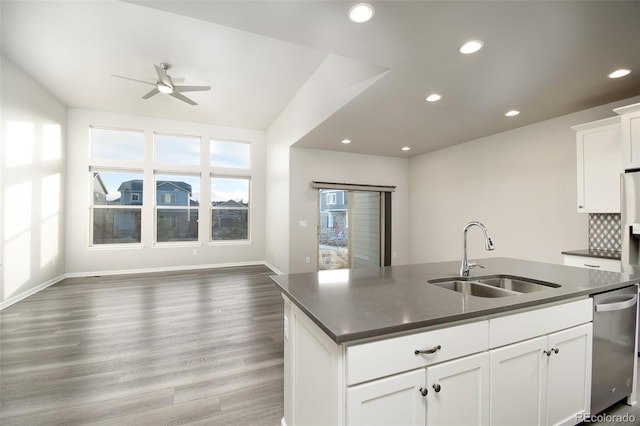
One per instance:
(493, 286)
(520, 285)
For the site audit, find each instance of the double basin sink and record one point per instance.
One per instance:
(493, 285)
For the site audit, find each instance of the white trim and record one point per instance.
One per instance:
(18, 297)
(273, 268)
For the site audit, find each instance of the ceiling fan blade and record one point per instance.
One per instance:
(162, 75)
(190, 88)
(153, 91)
(133, 79)
(182, 98)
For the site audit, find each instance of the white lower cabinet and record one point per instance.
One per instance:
(431, 396)
(394, 400)
(542, 381)
(612, 265)
(459, 392)
(527, 368)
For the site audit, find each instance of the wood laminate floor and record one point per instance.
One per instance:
(188, 348)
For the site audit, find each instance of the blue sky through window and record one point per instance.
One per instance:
(230, 154)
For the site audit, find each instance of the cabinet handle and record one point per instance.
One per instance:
(424, 391)
(428, 351)
(437, 387)
(553, 350)
(591, 266)
(579, 207)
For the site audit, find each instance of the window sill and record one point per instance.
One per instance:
(103, 247)
(177, 244)
(230, 243)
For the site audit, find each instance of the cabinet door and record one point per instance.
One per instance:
(395, 400)
(631, 139)
(459, 392)
(612, 265)
(518, 381)
(599, 155)
(569, 375)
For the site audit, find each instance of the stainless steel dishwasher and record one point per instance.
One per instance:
(614, 334)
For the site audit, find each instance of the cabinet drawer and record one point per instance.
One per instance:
(612, 265)
(526, 325)
(382, 358)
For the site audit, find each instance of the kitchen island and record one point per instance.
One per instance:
(382, 345)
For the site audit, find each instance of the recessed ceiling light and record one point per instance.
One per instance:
(512, 113)
(346, 141)
(361, 12)
(406, 148)
(471, 47)
(619, 73)
(434, 97)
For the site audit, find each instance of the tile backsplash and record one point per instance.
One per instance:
(604, 231)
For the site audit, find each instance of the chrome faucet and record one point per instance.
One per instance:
(488, 244)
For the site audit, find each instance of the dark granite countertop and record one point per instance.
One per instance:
(355, 304)
(600, 253)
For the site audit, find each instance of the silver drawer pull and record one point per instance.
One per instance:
(591, 266)
(428, 351)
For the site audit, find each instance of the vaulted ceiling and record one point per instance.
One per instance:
(364, 82)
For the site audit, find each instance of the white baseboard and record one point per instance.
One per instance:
(33, 290)
(273, 268)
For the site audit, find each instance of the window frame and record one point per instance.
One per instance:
(157, 207)
(212, 208)
(93, 171)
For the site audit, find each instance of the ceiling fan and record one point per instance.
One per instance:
(165, 84)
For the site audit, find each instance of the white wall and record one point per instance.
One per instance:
(521, 184)
(85, 260)
(32, 181)
(309, 165)
(336, 81)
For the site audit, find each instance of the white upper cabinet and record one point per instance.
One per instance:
(599, 165)
(630, 125)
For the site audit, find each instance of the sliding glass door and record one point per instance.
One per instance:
(351, 229)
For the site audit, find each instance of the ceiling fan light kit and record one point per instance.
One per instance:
(165, 85)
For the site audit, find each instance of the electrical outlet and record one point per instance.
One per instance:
(307, 259)
(195, 252)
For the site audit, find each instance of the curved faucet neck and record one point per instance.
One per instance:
(464, 265)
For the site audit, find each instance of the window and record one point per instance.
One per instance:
(177, 149)
(174, 174)
(177, 204)
(110, 144)
(230, 154)
(115, 214)
(229, 208)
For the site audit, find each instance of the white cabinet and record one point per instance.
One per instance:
(568, 375)
(542, 381)
(599, 164)
(394, 400)
(630, 135)
(431, 396)
(476, 373)
(459, 392)
(612, 265)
